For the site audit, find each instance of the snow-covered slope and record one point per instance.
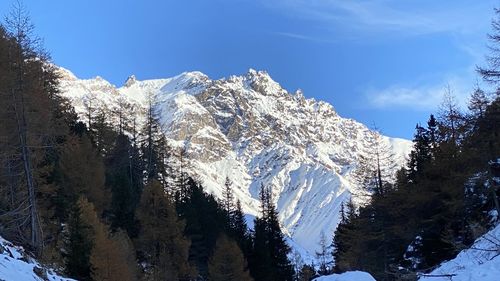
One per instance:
(347, 276)
(479, 262)
(16, 265)
(251, 130)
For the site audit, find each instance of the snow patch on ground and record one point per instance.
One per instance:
(347, 276)
(16, 265)
(479, 262)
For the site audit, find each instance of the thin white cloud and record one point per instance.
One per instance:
(409, 18)
(420, 98)
(295, 36)
(301, 37)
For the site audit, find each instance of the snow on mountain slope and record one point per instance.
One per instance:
(479, 262)
(15, 264)
(251, 130)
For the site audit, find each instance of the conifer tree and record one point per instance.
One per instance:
(125, 181)
(154, 147)
(102, 133)
(420, 155)
(270, 260)
(89, 104)
(78, 246)
(240, 229)
(205, 220)
(227, 202)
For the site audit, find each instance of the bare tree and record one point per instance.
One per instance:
(491, 73)
(323, 255)
(28, 110)
(376, 163)
(450, 116)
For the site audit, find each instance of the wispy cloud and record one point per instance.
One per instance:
(420, 97)
(295, 36)
(408, 18)
(302, 37)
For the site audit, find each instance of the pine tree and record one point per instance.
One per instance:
(227, 202)
(420, 155)
(227, 262)
(78, 246)
(240, 229)
(344, 239)
(432, 132)
(89, 104)
(125, 182)
(154, 147)
(205, 220)
(270, 260)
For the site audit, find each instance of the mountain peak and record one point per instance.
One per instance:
(130, 81)
(252, 73)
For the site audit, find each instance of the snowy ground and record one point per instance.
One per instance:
(16, 265)
(347, 276)
(480, 262)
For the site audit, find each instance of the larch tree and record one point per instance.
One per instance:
(491, 72)
(80, 171)
(323, 255)
(28, 95)
(376, 163)
(111, 256)
(160, 241)
(478, 102)
(227, 262)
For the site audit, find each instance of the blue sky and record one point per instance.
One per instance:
(385, 62)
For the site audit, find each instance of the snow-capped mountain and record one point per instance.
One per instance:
(250, 129)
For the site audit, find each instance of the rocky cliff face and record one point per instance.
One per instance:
(250, 129)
